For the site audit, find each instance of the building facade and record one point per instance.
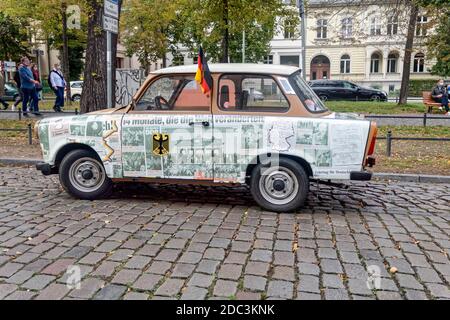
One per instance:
(363, 43)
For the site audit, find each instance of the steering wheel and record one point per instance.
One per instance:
(161, 103)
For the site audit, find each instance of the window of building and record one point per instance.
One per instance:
(345, 63)
(290, 60)
(347, 27)
(392, 25)
(421, 26)
(392, 63)
(268, 59)
(251, 93)
(391, 87)
(289, 29)
(375, 26)
(419, 62)
(322, 25)
(174, 93)
(375, 61)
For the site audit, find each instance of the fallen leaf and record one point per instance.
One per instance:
(393, 270)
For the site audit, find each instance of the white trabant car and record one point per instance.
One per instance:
(173, 133)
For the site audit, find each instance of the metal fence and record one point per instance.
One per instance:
(389, 138)
(28, 129)
(425, 117)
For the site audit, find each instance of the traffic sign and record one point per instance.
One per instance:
(110, 24)
(10, 66)
(112, 8)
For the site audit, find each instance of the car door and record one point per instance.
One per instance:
(349, 91)
(241, 131)
(168, 134)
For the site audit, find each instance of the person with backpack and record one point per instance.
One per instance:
(28, 86)
(18, 84)
(58, 84)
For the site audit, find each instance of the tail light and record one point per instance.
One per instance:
(372, 142)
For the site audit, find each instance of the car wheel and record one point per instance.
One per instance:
(375, 98)
(83, 176)
(323, 97)
(76, 97)
(280, 188)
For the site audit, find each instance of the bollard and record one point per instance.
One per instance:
(388, 143)
(19, 110)
(76, 111)
(425, 119)
(30, 134)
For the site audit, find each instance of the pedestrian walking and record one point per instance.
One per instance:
(2, 90)
(36, 76)
(28, 86)
(58, 84)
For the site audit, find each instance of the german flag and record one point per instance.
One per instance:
(203, 76)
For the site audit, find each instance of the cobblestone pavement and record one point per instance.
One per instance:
(203, 243)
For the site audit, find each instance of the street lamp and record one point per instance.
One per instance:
(301, 11)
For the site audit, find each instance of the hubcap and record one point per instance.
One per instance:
(87, 174)
(278, 185)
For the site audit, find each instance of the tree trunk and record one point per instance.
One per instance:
(94, 86)
(225, 40)
(65, 51)
(408, 49)
(114, 40)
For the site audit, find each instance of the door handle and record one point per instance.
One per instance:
(204, 123)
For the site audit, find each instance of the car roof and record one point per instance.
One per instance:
(233, 68)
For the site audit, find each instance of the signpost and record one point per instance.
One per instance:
(110, 25)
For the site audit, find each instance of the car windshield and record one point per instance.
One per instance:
(309, 99)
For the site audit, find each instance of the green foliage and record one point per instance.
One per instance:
(418, 85)
(439, 47)
(13, 37)
(191, 23)
(203, 22)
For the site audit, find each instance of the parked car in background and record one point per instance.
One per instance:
(11, 92)
(345, 90)
(174, 133)
(76, 88)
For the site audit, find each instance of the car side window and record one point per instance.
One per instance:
(239, 92)
(349, 85)
(174, 93)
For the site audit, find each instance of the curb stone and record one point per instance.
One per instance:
(418, 178)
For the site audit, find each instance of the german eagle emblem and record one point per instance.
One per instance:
(160, 144)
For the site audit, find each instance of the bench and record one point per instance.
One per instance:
(428, 101)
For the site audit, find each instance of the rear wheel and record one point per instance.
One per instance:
(82, 175)
(280, 188)
(323, 97)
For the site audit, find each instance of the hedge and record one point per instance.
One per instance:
(417, 86)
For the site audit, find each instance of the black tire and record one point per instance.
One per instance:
(264, 175)
(74, 172)
(323, 97)
(375, 98)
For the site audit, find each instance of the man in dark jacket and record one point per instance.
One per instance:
(18, 84)
(28, 86)
(440, 94)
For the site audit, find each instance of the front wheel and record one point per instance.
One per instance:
(83, 176)
(375, 98)
(281, 188)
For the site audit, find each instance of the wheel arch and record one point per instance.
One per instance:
(255, 161)
(65, 149)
